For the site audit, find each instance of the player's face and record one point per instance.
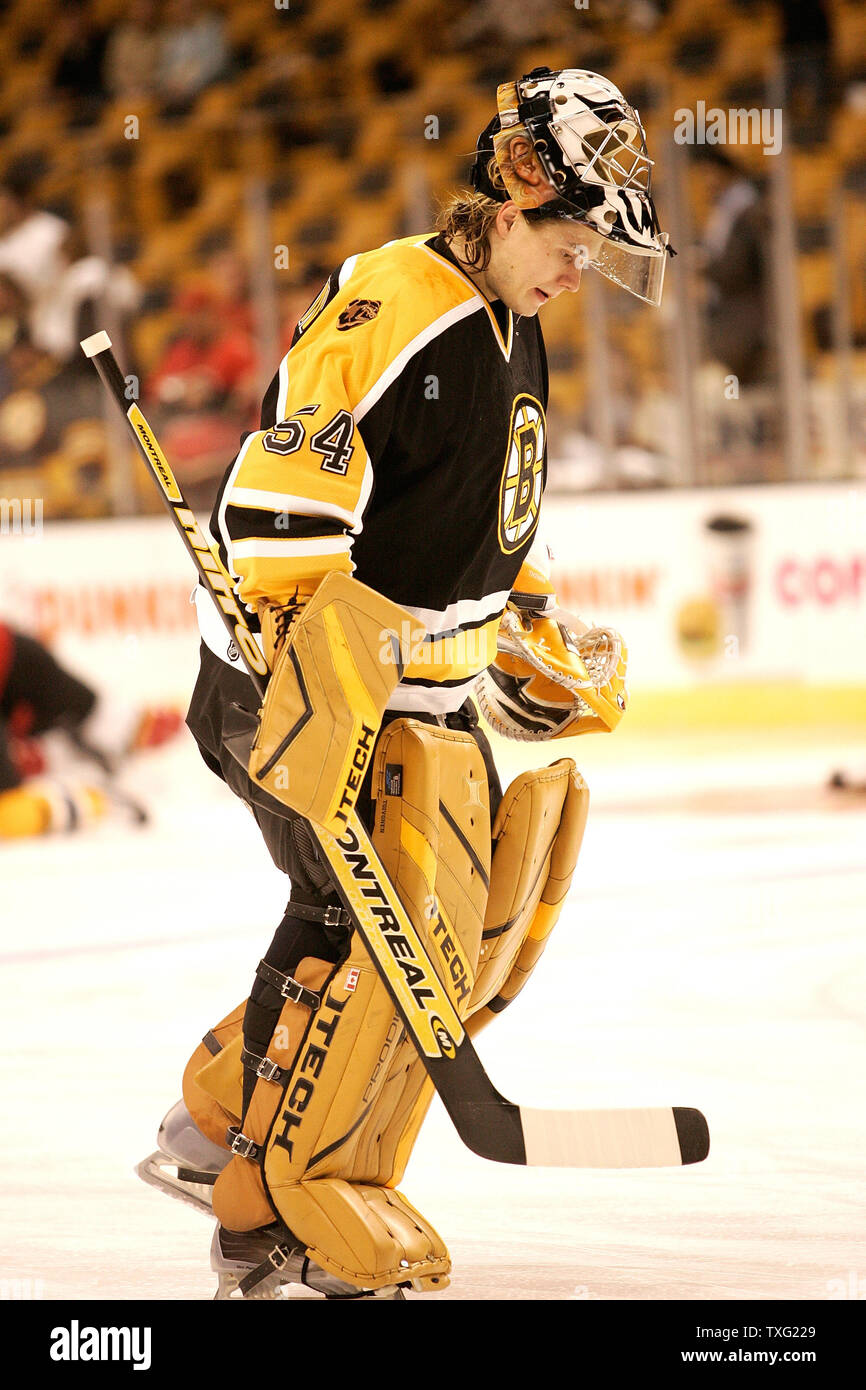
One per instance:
(532, 263)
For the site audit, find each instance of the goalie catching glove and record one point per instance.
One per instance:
(553, 677)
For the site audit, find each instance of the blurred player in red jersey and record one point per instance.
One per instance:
(39, 696)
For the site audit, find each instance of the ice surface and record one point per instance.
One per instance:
(711, 955)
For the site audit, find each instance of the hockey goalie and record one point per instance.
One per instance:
(381, 530)
(297, 1146)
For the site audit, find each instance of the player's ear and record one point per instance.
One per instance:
(506, 218)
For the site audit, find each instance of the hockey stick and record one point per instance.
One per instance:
(487, 1123)
(117, 795)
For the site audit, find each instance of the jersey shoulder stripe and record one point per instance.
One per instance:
(393, 301)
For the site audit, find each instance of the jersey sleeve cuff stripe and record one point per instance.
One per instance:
(257, 549)
(466, 612)
(264, 500)
(430, 699)
(223, 504)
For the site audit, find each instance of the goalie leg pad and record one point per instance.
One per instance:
(336, 1132)
(537, 833)
(241, 1201)
(298, 1135)
(432, 832)
(211, 1089)
(368, 1235)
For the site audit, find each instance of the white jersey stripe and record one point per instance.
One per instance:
(283, 391)
(465, 610)
(431, 699)
(292, 504)
(286, 547)
(433, 330)
(346, 270)
(224, 502)
(504, 346)
(363, 496)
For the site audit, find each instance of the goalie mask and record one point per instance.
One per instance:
(553, 677)
(567, 144)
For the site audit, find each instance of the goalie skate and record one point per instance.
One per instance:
(263, 1264)
(186, 1165)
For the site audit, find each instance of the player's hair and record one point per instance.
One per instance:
(470, 215)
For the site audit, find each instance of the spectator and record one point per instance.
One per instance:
(204, 392)
(206, 365)
(228, 281)
(31, 240)
(78, 73)
(39, 400)
(132, 55)
(807, 66)
(87, 288)
(193, 52)
(39, 254)
(13, 313)
(733, 257)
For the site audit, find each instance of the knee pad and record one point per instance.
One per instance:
(341, 1094)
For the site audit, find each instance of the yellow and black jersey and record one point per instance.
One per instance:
(402, 439)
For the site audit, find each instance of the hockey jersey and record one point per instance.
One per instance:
(403, 439)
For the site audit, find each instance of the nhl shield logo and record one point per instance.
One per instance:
(358, 311)
(523, 475)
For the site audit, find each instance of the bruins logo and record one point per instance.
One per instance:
(358, 311)
(522, 477)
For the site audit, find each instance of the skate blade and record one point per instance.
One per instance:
(162, 1172)
(271, 1289)
(274, 1289)
(392, 1292)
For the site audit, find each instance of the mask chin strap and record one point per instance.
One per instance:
(657, 231)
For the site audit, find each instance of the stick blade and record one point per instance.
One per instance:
(642, 1138)
(693, 1133)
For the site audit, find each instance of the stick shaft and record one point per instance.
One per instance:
(361, 879)
(203, 554)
